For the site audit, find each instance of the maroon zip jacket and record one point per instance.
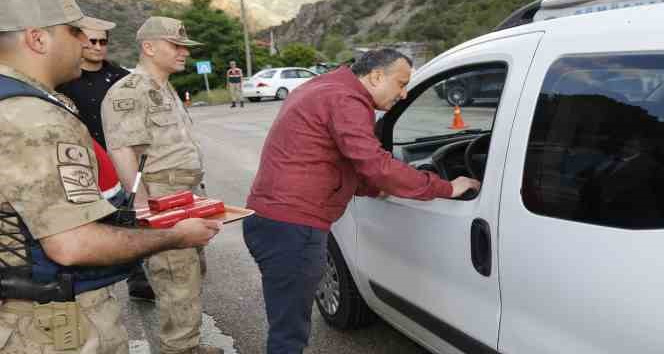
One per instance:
(321, 150)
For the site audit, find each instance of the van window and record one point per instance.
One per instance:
(596, 147)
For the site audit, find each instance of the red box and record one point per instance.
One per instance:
(171, 201)
(163, 220)
(204, 208)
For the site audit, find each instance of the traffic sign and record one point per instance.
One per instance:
(204, 67)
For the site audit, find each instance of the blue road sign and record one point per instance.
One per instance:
(204, 67)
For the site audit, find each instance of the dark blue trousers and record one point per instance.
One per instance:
(291, 258)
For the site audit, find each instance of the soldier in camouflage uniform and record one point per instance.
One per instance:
(49, 199)
(142, 114)
(234, 84)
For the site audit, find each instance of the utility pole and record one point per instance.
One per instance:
(247, 46)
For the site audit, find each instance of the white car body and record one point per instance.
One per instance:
(275, 83)
(553, 285)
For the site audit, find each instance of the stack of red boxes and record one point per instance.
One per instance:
(166, 211)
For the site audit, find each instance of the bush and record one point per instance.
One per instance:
(298, 54)
(333, 44)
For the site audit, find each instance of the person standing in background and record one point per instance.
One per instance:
(86, 93)
(234, 83)
(97, 76)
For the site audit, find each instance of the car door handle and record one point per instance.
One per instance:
(480, 246)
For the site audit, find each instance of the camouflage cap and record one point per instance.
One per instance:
(16, 15)
(165, 28)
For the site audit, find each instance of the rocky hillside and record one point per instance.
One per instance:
(130, 14)
(262, 13)
(441, 22)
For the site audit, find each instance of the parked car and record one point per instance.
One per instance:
(475, 87)
(561, 250)
(323, 68)
(275, 83)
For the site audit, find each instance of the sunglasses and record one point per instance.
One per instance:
(102, 42)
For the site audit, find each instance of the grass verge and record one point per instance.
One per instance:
(217, 96)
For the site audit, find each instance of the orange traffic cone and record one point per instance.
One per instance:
(187, 99)
(458, 122)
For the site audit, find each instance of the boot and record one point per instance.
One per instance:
(141, 292)
(138, 285)
(233, 105)
(242, 104)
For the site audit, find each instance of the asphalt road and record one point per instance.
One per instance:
(234, 314)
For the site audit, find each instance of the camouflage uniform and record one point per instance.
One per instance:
(234, 77)
(49, 178)
(138, 111)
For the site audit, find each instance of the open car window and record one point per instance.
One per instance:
(444, 125)
(476, 92)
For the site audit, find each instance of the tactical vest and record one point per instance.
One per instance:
(39, 268)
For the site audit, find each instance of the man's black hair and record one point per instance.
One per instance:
(377, 59)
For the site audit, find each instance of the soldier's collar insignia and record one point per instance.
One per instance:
(156, 97)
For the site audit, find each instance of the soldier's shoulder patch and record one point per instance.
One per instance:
(73, 154)
(132, 81)
(124, 104)
(77, 174)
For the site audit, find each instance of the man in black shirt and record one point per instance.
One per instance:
(98, 75)
(87, 93)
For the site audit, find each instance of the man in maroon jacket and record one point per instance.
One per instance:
(320, 152)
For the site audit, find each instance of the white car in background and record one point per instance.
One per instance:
(275, 83)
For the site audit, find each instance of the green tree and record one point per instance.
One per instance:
(263, 60)
(298, 54)
(223, 42)
(345, 56)
(333, 44)
(454, 21)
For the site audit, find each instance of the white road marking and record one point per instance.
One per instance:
(139, 347)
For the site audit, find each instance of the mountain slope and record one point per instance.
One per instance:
(262, 13)
(130, 14)
(443, 23)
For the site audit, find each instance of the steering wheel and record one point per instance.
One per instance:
(480, 142)
(439, 157)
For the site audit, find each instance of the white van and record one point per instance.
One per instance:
(561, 250)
